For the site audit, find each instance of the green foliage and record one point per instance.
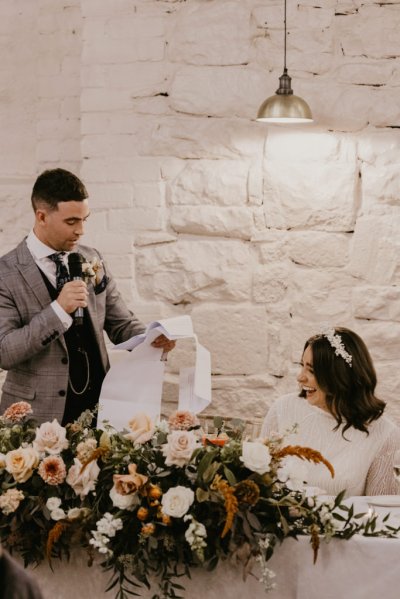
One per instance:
(147, 543)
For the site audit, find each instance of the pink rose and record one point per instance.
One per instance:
(180, 447)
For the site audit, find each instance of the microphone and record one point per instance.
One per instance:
(75, 272)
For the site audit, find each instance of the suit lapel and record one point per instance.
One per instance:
(30, 272)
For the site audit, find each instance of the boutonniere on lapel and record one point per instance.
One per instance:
(93, 271)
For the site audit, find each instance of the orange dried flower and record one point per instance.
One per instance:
(54, 534)
(314, 540)
(97, 453)
(304, 453)
(231, 502)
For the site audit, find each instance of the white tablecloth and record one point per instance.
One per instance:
(360, 568)
(74, 580)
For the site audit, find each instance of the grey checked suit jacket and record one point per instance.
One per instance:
(32, 345)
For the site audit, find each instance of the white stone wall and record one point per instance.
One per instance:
(259, 232)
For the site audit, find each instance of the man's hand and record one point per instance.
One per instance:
(164, 343)
(73, 295)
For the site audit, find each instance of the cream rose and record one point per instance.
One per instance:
(256, 456)
(176, 501)
(21, 463)
(50, 438)
(179, 448)
(141, 429)
(84, 481)
(10, 501)
(123, 502)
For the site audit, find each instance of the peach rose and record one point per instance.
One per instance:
(21, 463)
(126, 484)
(141, 429)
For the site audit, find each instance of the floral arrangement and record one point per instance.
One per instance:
(153, 501)
(91, 269)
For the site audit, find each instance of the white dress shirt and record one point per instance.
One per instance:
(40, 253)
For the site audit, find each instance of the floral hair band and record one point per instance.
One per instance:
(337, 344)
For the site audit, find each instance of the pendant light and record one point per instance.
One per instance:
(284, 106)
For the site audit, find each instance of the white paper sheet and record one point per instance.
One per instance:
(134, 383)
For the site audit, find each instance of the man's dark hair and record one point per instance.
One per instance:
(57, 185)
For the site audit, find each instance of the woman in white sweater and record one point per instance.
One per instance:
(338, 414)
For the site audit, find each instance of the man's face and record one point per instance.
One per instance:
(62, 228)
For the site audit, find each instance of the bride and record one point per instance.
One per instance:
(338, 414)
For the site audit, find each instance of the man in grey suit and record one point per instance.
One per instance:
(54, 362)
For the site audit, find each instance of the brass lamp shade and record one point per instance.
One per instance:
(284, 106)
(284, 109)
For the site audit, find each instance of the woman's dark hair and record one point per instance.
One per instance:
(350, 389)
(57, 185)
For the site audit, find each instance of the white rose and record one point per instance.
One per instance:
(57, 514)
(21, 462)
(180, 446)
(256, 456)
(293, 472)
(83, 482)
(176, 501)
(123, 502)
(51, 438)
(2, 461)
(53, 503)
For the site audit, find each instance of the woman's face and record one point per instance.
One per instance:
(314, 394)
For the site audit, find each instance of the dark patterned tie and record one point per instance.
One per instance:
(62, 275)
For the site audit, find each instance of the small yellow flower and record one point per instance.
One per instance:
(148, 529)
(166, 519)
(154, 492)
(142, 513)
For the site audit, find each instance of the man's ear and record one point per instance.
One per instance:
(40, 215)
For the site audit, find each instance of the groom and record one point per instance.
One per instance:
(55, 362)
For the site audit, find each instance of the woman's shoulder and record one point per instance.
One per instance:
(385, 426)
(384, 432)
